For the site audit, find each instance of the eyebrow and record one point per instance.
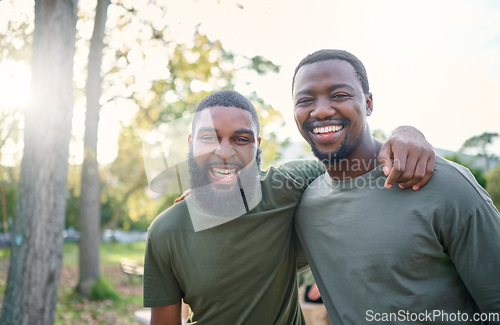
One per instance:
(206, 129)
(239, 131)
(244, 131)
(331, 88)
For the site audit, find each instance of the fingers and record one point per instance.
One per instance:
(396, 172)
(384, 158)
(313, 293)
(183, 196)
(412, 171)
(414, 159)
(423, 171)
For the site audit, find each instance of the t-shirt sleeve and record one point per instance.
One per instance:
(161, 287)
(475, 251)
(302, 172)
(300, 255)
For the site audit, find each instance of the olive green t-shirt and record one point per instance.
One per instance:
(397, 256)
(240, 272)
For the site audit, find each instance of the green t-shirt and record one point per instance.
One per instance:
(240, 272)
(402, 257)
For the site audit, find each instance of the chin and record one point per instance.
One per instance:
(223, 188)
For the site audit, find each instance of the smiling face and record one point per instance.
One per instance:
(331, 110)
(224, 141)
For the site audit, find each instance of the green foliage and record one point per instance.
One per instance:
(379, 134)
(4, 253)
(478, 173)
(102, 289)
(479, 144)
(493, 185)
(75, 310)
(72, 209)
(262, 66)
(305, 278)
(10, 192)
(15, 42)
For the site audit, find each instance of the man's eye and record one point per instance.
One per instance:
(304, 101)
(340, 96)
(242, 140)
(209, 138)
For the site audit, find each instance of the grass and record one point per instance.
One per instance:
(72, 308)
(110, 253)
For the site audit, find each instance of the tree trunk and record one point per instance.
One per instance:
(5, 218)
(90, 204)
(36, 255)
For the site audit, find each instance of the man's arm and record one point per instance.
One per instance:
(166, 315)
(413, 157)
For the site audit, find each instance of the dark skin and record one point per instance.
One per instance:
(331, 110)
(329, 93)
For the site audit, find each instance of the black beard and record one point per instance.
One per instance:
(223, 203)
(331, 158)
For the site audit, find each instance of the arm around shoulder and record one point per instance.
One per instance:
(413, 158)
(166, 315)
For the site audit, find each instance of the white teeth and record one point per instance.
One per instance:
(326, 129)
(224, 173)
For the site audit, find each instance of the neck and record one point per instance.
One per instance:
(362, 160)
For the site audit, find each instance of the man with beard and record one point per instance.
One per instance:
(224, 185)
(425, 257)
(227, 250)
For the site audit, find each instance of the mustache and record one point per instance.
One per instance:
(315, 122)
(220, 162)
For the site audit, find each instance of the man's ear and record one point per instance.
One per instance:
(190, 139)
(258, 141)
(369, 104)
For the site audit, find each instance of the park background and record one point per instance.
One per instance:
(431, 64)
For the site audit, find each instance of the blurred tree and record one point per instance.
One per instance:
(90, 203)
(73, 199)
(15, 46)
(493, 185)
(478, 173)
(8, 196)
(9, 131)
(479, 144)
(36, 254)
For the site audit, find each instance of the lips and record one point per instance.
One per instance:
(327, 129)
(325, 133)
(224, 174)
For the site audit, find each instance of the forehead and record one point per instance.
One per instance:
(224, 119)
(325, 74)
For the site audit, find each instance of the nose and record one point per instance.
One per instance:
(225, 149)
(323, 109)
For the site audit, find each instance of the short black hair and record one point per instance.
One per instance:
(228, 98)
(329, 54)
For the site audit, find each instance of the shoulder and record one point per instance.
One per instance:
(457, 181)
(302, 172)
(173, 219)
